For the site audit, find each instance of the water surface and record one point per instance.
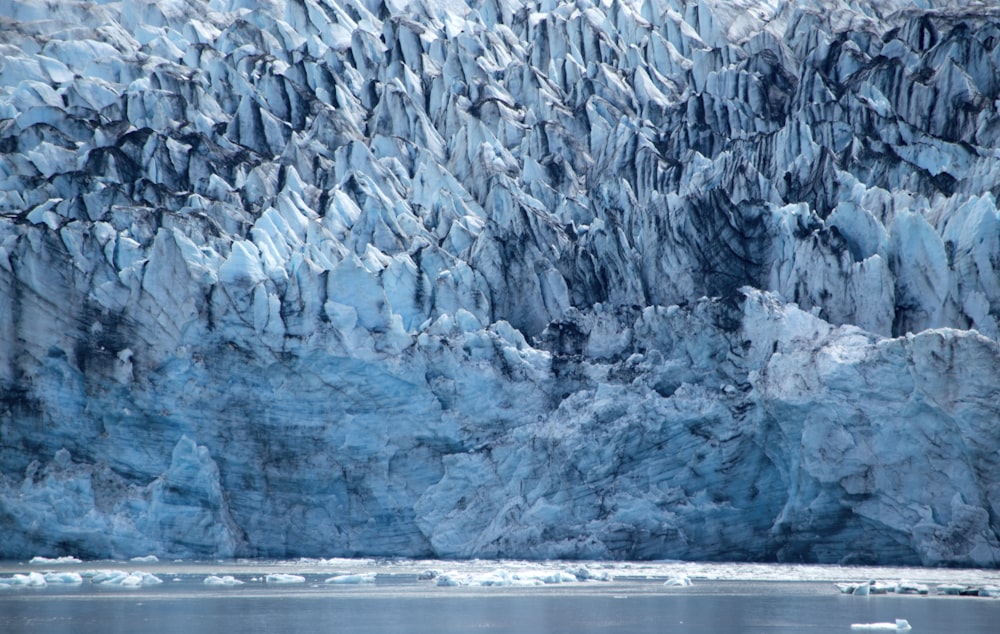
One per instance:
(744, 600)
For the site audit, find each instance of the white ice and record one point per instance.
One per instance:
(225, 580)
(284, 578)
(899, 626)
(505, 578)
(121, 578)
(30, 580)
(354, 579)
(65, 578)
(56, 561)
(911, 587)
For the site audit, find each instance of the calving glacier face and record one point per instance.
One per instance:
(653, 279)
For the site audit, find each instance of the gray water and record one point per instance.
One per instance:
(400, 603)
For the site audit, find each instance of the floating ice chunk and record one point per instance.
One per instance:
(131, 581)
(280, 577)
(57, 561)
(506, 578)
(901, 625)
(881, 587)
(124, 579)
(138, 579)
(910, 587)
(559, 576)
(586, 574)
(30, 580)
(64, 578)
(352, 579)
(951, 588)
(108, 577)
(429, 574)
(495, 578)
(147, 559)
(36, 580)
(678, 581)
(989, 591)
(864, 588)
(226, 580)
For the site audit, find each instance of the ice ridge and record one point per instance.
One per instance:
(655, 279)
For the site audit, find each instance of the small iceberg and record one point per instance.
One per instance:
(559, 576)
(901, 625)
(989, 591)
(225, 580)
(909, 587)
(348, 580)
(865, 588)
(280, 577)
(63, 578)
(57, 561)
(881, 587)
(586, 574)
(30, 580)
(678, 581)
(952, 589)
(506, 578)
(147, 559)
(122, 579)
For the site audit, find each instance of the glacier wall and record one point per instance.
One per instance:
(599, 279)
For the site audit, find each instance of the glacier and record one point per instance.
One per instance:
(592, 279)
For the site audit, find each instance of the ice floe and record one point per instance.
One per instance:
(55, 561)
(65, 578)
(506, 578)
(355, 579)
(900, 625)
(909, 587)
(30, 580)
(225, 580)
(120, 578)
(284, 578)
(678, 581)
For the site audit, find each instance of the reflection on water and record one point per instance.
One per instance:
(400, 602)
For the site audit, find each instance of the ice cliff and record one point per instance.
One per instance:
(713, 280)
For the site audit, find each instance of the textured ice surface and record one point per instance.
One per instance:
(224, 580)
(652, 279)
(354, 579)
(281, 578)
(120, 578)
